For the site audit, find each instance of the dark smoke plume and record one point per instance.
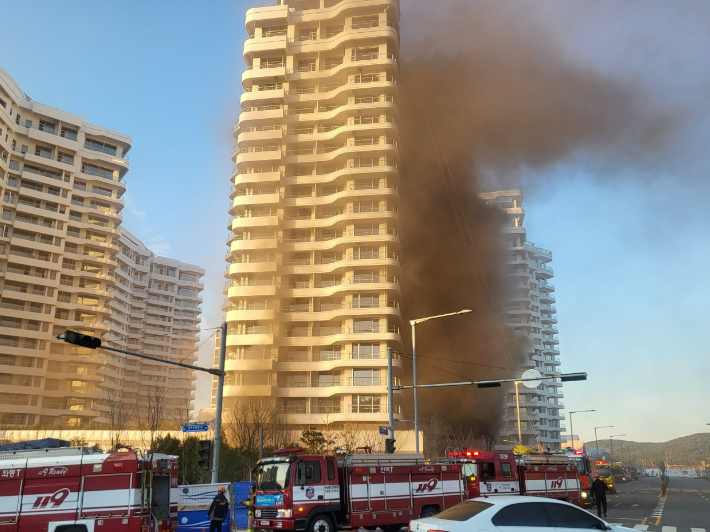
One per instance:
(483, 88)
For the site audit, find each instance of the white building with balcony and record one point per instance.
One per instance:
(312, 292)
(66, 263)
(530, 311)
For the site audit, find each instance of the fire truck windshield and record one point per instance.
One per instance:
(604, 472)
(273, 475)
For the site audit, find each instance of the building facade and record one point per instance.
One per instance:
(530, 311)
(65, 263)
(62, 183)
(312, 286)
(155, 311)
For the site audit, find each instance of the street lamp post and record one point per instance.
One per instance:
(571, 427)
(414, 324)
(597, 439)
(611, 443)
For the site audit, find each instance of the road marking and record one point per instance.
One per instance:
(641, 527)
(669, 529)
(697, 530)
(644, 520)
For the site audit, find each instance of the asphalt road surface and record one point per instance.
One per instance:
(685, 508)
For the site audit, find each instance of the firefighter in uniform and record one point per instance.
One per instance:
(218, 510)
(250, 503)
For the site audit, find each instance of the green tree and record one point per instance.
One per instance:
(315, 442)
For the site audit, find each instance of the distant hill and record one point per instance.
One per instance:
(688, 451)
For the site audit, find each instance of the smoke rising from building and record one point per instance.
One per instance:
(483, 90)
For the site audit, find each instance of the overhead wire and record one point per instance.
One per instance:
(215, 329)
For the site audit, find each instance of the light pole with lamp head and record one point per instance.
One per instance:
(414, 324)
(597, 439)
(611, 443)
(571, 427)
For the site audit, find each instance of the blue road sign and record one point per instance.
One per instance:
(195, 428)
(384, 431)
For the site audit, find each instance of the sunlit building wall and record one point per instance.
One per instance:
(312, 292)
(61, 190)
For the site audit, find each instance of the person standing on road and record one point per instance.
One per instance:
(599, 489)
(249, 502)
(218, 510)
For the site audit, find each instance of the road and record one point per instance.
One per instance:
(686, 507)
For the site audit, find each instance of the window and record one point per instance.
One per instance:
(524, 514)
(464, 511)
(488, 470)
(505, 470)
(331, 469)
(71, 134)
(42, 151)
(308, 473)
(567, 516)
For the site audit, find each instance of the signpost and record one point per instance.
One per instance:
(384, 431)
(195, 427)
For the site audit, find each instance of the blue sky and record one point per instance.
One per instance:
(630, 241)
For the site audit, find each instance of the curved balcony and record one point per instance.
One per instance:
(257, 154)
(340, 7)
(249, 365)
(267, 72)
(239, 224)
(382, 31)
(253, 390)
(236, 291)
(250, 315)
(243, 200)
(239, 268)
(253, 97)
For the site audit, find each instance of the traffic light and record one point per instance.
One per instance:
(205, 452)
(83, 340)
(389, 445)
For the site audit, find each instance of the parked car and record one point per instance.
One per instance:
(509, 513)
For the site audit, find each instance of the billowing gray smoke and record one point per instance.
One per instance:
(481, 88)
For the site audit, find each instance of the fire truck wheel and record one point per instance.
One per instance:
(321, 523)
(429, 511)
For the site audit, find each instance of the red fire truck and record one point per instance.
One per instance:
(321, 494)
(74, 490)
(494, 473)
(317, 493)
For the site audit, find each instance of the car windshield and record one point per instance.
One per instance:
(464, 511)
(603, 471)
(273, 476)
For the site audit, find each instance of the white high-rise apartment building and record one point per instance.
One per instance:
(65, 263)
(313, 288)
(530, 310)
(61, 185)
(155, 311)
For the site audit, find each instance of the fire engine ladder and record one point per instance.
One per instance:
(383, 459)
(42, 453)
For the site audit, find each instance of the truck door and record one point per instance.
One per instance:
(310, 487)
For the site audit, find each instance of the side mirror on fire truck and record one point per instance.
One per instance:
(389, 445)
(205, 452)
(83, 340)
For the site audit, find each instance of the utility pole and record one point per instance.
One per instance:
(218, 406)
(390, 392)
